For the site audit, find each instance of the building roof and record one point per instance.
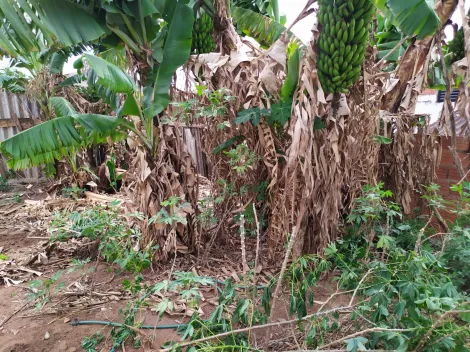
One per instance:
(461, 127)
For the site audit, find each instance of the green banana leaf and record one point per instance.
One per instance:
(61, 106)
(261, 28)
(110, 75)
(58, 138)
(32, 25)
(293, 67)
(412, 17)
(176, 52)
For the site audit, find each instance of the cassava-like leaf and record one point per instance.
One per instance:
(56, 139)
(252, 115)
(412, 17)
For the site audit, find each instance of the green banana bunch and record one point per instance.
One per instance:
(344, 35)
(456, 47)
(203, 41)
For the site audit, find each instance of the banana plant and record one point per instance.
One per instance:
(269, 8)
(411, 17)
(387, 37)
(28, 26)
(262, 28)
(70, 131)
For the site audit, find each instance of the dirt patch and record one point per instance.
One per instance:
(94, 291)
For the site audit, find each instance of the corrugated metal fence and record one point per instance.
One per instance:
(17, 113)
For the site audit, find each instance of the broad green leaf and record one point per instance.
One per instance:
(111, 76)
(275, 6)
(57, 62)
(17, 22)
(382, 140)
(97, 123)
(62, 106)
(227, 144)
(68, 21)
(176, 52)
(280, 113)
(57, 138)
(412, 17)
(252, 115)
(126, 39)
(70, 81)
(131, 107)
(318, 124)
(293, 67)
(465, 316)
(262, 28)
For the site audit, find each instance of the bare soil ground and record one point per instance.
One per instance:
(87, 295)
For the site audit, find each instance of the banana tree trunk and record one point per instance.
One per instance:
(227, 38)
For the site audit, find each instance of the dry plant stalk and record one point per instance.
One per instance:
(410, 160)
(464, 95)
(246, 268)
(448, 110)
(151, 181)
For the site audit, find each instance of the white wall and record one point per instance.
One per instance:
(427, 104)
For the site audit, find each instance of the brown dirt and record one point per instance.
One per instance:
(48, 330)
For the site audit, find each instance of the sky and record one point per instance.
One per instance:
(291, 8)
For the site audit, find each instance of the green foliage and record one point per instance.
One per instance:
(301, 276)
(399, 289)
(263, 29)
(119, 243)
(386, 39)
(280, 113)
(4, 186)
(252, 115)
(33, 26)
(294, 54)
(456, 254)
(110, 75)
(171, 212)
(13, 80)
(57, 138)
(411, 17)
(3, 256)
(176, 50)
(90, 343)
(40, 290)
(227, 144)
(241, 158)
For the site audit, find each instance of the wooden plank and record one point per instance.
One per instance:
(25, 123)
(6, 123)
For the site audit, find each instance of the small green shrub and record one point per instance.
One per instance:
(119, 243)
(457, 249)
(4, 186)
